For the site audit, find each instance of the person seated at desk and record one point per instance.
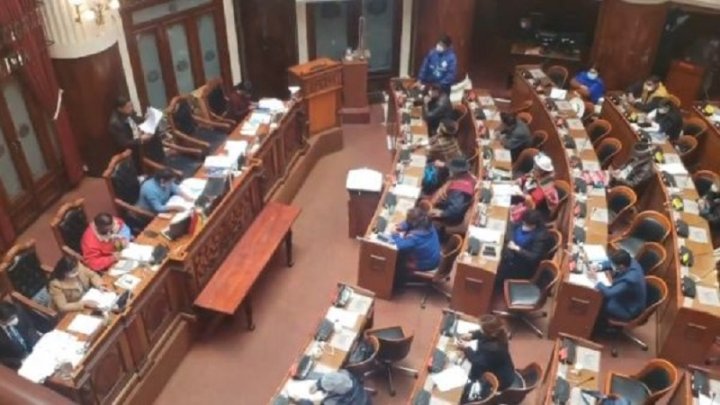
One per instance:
(103, 240)
(526, 247)
(709, 207)
(645, 96)
(156, 191)
(538, 189)
(515, 134)
(339, 388)
(452, 201)
(240, 101)
(443, 149)
(492, 352)
(69, 281)
(417, 243)
(589, 84)
(439, 66)
(638, 170)
(626, 297)
(669, 118)
(436, 108)
(18, 335)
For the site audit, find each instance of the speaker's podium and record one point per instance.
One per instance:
(320, 83)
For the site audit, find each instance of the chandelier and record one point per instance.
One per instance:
(93, 10)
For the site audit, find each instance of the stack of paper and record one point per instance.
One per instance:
(193, 186)
(179, 203)
(220, 162)
(595, 253)
(105, 300)
(673, 168)
(558, 94)
(51, 351)
(153, 116)
(485, 235)
(137, 252)
(273, 104)
(121, 267)
(364, 180)
(342, 317)
(235, 149)
(450, 378)
(128, 282)
(406, 191)
(85, 324)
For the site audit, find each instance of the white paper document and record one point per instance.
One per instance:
(486, 101)
(672, 158)
(406, 191)
(121, 267)
(272, 104)
(364, 180)
(502, 200)
(697, 234)
(599, 215)
(691, 207)
(220, 162)
(450, 378)
(193, 186)
(595, 253)
(153, 116)
(300, 389)
(502, 155)
(708, 296)
(466, 327)
(558, 94)
(536, 73)
(342, 317)
(343, 339)
(359, 304)
(575, 124)
(137, 252)
(587, 359)
(127, 282)
(417, 160)
(591, 165)
(563, 105)
(105, 300)
(506, 189)
(235, 148)
(51, 351)
(673, 168)
(85, 324)
(485, 235)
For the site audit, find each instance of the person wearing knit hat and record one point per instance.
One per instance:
(340, 388)
(491, 352)
(452, 201)
(638, 170)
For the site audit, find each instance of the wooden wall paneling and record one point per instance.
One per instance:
(92, 84)
(432, 18)
(626, 41)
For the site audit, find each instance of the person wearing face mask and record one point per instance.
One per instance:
(528, 244)
(645, 96)
(339, 388)
(417, 243)
(589, 84)
(440, 65)
(103, 240)
(18, 335)
(69, 281)
(437, 107)
(638, 170)
(669, 118)
(626, 297)
(156, 192)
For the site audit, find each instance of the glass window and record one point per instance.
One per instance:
(8, 174)
(379, 19)
(208, 46)
(163, 9)
(331, 29)
(177, 37)
(24, 129)
(151, 70)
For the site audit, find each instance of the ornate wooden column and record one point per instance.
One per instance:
(432, 18)
(626, 39)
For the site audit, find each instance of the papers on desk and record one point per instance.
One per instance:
(558, 94)
(673, 168)
(596, 191)
(85, 324)
(417, 160)
(485, 235)
(105, 300)
(582, 279)
(591, 165)
(249, 128)
(672, 158)
(220, 162)
(575, 124)
(406, 191)
(121, 267)
(684, 182)
(450, 378)
(691, 207)
(342, 317)
(301, 389)
(193, 186)
(563, 105)
(697, 234)
(599, 215)
(704, 400)
(54, 349)
(502, 155)
(465, 327)
(364, 180)
(180, 203)
(501, 200)
(359, 304)
(343, 339)
(138, 252)
(506, 189)
(486, 101)
(536, 73)
(128, 282)
(272, 104)
(153, 116)
(595, 253)
(496, 224)
(235, 149)
(587, 359)
(708, 296)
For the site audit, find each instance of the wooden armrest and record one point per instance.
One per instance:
(72, 253)
(183, 149)
(208, 123)
(47, 269)
(196, 143)
(223, 119)
(16, 296)
(134, 209)
(155, 166)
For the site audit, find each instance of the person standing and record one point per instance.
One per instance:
(125, 131)
(589, 84)
(440, 65)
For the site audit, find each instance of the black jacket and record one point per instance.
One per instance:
(711, 212)
(11, 352)
(517, 137)
(491, 356)
(121, 132)
(670, 123)
(436, 110)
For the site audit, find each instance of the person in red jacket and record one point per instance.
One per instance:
(103, 240)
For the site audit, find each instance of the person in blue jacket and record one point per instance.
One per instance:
(589, 84)
(417, 242)
(626, 298)
(440, 65)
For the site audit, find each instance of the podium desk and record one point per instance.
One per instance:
(321, 86)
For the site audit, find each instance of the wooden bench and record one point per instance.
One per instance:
(230, 285)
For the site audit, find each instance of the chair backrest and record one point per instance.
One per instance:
(392, 350)
(523, 107)
(694, 126)
(607, 150)
(558, 74)
(474, 160)
(675, 100)
(450, 251)
(22, 266)
(529, 379)
(122, 178)
(69, 224)
(524, 163)
(525, 117)
(215, 97)
(651, 257)
(459, 113)
(555, 240)
(539, 138)
(687, 145)
(620, 199)
(598, 129)
(650, 226)
(703, 180)
(659, 376)
(359, 369)
(657, 293)
(491, 380)
(545, 278)
(180, 114)
(589, 110)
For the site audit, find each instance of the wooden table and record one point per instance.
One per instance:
(333, 356)
(583, 374)
(683, 394)
(231, 285)
(687, 329)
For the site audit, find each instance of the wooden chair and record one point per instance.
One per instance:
(687, 147)
(192, 130)
(22, 271)
(68, 227)
(621, 202)
(651, 257)
(492, 381)
(598, 130)
(558, 74)
(649, 385)
(361, 368)
(694, 126)
(525, 162)
(657, 293)
(526, 380)
(213, 102)
(523, 107)
(564, 191)
(607, 150)
(647, 226)
(526, 298)
(589, 114)
(395, 346)
(434, 281)
(525, 117)
(539, 138)
(704, 179)
(124, 188)
(184, 161)
(43, 318)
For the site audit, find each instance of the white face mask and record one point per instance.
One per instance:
(439, 48)
(662, 111)
(13, 322)
(714, 188)
(649, 87)
(592, 75)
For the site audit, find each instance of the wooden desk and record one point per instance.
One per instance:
(448, 346)
(683, 395)
(709, 143)
(335, 354)
(231, 285)
(687, 329)
(583, 374)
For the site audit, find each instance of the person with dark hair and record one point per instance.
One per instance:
(240, 101)
(417, 243)
(452, 201)
(436, 108)
(69, 281)
(491, 353)
(589, 84)
(709, 207)
(18, 335)
(669, 118)
(103, 240)
(638, 170)
(626, 297)
(440, 65)
(125, 131)
(646, 95)
(515, 134)
(156, 191)
(526, 247)
(442, 150)
(340, 388)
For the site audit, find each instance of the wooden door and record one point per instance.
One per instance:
(31, 173)
(268, 44)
